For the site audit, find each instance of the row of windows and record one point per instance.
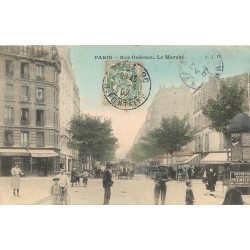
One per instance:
(25, 94)
(40, 98)
(24, 139)
(25, 117)
(24, 74)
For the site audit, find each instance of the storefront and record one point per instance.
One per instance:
(43, 162)
(9, 156)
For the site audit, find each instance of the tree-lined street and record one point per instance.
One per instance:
(136, 191)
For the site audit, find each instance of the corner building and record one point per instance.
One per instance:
(29, 104)
(69, 103)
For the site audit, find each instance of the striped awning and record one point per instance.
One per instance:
(192, 160)
(14, 152)
(42, 153)
(215, 158)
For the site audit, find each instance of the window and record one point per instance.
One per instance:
(8, 138)
(40, 118)
(24, 71)
(9, 68)
(40, 139)
(55, 120)
(8, 116)
(24, 116)
(9, 92)
(56, 140)
(40, 95)
(56, 77)
(25, 93)
(39, 72)
(24, 139)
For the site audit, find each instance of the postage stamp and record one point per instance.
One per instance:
(126, 84)
(198, 64)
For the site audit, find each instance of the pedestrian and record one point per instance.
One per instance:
(85, 177)
(73, 176)
(160, 187)
(56, 192)
(107, 183)
(233, 195)
(211, 179)
(189, 194)
(16, 172)
(64, 183)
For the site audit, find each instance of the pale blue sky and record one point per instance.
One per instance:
(89, 73)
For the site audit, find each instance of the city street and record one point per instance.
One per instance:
(136, 191)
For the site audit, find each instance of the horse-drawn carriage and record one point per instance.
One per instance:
(126, 172)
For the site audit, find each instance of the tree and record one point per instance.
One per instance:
(136, 153)
(93, 135)
(174, 133)
(230, 100)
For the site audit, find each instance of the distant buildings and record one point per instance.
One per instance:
(167, 102)
(32, 121)
(180, 101)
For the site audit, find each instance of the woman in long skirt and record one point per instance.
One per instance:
(15, 179)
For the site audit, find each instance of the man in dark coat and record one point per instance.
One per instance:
(160, 188)
(107, 183)
(233, 196)
(211, 179)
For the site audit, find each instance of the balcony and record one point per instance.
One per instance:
(40, 144)
(9, 74)
(39, 78)
(40, 100)
(8, 121)
(40, 123)
(9, 97)
(25, 122)
(24, 144)
(25, 77)
(8, 143)
(24, 98)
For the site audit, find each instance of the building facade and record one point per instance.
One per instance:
(207, 140)
(69, 102)
(29, 104)
(167, 102)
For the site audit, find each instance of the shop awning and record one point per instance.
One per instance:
(215, 158)
(192, 160)
(14, 152)
(42, 153)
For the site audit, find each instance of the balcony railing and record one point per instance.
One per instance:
(39, 78)
(25, 144)
(9, 97)
(8, 143)
(40, 100)
(9, 74)
(40, 123)
(25, 77)
(25, 122)
(24, 98)
(8, 121)
(39, 144)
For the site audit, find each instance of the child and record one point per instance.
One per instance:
(85, 176)
(189, 194)
(56, 192)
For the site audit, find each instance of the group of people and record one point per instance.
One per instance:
(233, 195)
(76, 176)
(59, 189)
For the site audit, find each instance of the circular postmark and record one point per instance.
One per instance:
(126, 85)
(198, 64)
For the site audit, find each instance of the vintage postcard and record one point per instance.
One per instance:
(124, 125)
